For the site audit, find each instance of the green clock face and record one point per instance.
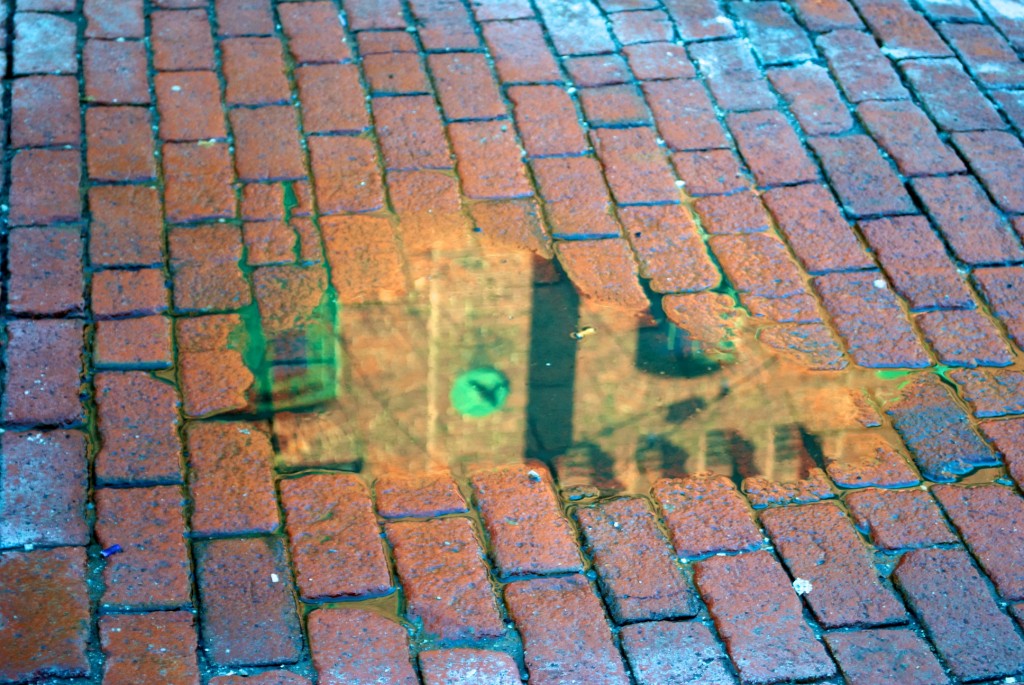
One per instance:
(479, 392)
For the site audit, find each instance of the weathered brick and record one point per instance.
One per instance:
(733, 76)
(1001, 287)
(949, 9)
(189, 105)
(899, 519)
(515, 223)
(332, 98)
(181, 40)
(120, 144)
(213, 375)
(901, 29)
(671, 652)
(198, 182)
(122, 292)
(428, 207)
(813, 98)
(565, 633)
(528, 532)
(262, 201)
(244, 18)
(384, 42)
(864, 181)
(267, 144)
(401, 495)
(444, 25)
(711, 321)
(521, 55)
(112, 19)
(115, 72)
(635, 166)
(964, 338)
(491, 10)
(44, 187)
(47, 5)
(547, 121)
(346, 174)
(575, 196)
(43, 44)
(248, 611)
(375, 14)
(490, 162)
(704, 513)
(915, 260)
(143, 648)
(950, 96)
(268, 242)
(991, 392)
(453, 666)
(669, 248)
(807, 484)
(264, 678)
(576, 30)
(617, 105)
(949, 596)
(411, 134)
(986, 54)
(44, 367)
(658, 61)
(909, 137)
(1011, 102)
(206, 267)
(152, 570)
(709, 172)
(45, 266)
(359, 647)
(142, 343)
(886, 656)
(758, 263)
(288, 297)
(253, 71)
(775, 35)
(604, 271)
(465, 86)
(937, 431)
(1007, 436)
(642, 27)
(47, 619)
(771, 148)
(1007, 21)
(863, 72)
(740, 212)
(758, 615)
(598, 70)
(700, 19)
(126, 227)
(868, 317)
(396, 73)
(364, 258)
(684, 115)
(44, 490)
(996, 158)
(44, 111)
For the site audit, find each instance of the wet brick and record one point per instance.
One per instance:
(43, 44)
(152, 570)
(659, 61)
(45, 266)
(445, 578)
(121, 292)
(114, 19)
(758, 615)
(937, 431)
(808, 484)
(433, 494)
(332, 98)
(996, 158)
(44, 490)
(264, 678)
(877, 657)
(909, 137)
(863, 72)
(576, 30)
(120, 144)
(465, 86)
(758, 263)
(949, 596)
(812, 97)
(771, 149)
(684, 115)
(776, 36)
(44, 111)
(515, 223)
(346, 174)
(975, 231)
(547, 121)
(126, 227)
(737, 213)
(288, 297)
(444, 25)
(244, 18)
(115, 72)
(711, 321)
(146, 648)
(44, 368)
(253, 71)
(334, 538)
(704, 513)
(466, 666)
(181, 40)
(429, 208)
(565, 634)
(46, 614)
(901, 29)
(489, 160)
(262, 201)
(964, 338)
(267, 144)
(818, 543)
(635, 562)
(189, 105)
(411, 134)
(865, 183)
(1002, 287)
(709, 172)
(396, 73)
(520, 53)
(800, 308)
(826, 15)
(575, 196)
(635, 166)
(359, 647)
(528, 532)
(604, 271)
(231, 479)
(139, 343)
(137, 416)
(949, 9)
(699, 19)
(868, 317)
(314, 32)
(991, 392)
(1007, 436)
(205, 263)
(198, 182)
(642, 27)
(950, 97)
(268, 242)
(44, 187)
(669, 248)
(213, 376)
(1012, 104)
(598, 70)
(915, 259)
(899, 519)
(618, 105)
(986, 54)
(362, 252)
(671, 652)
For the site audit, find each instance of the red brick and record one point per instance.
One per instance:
(1012, 104)
(758, 263)
(181, 40)
(178, 4)
(733, 76)
(115, 72)
(709, 172)
(206, 266)
(949, 9)
(877, 657)
(565, 633)
(444, 25)
(996, 158)
(47, 5)
(1001, 287)
(189, 105)
(635, 562)
(864, 181)
(612, 6)
(359, 647)
(214, 378)
(806, 484)
(671, 652)
(262, 201)
(410, 132)
(986, 54)
(248, 611)
(244, 18)
(915, 259)
(658, 61)
(490, 10)
(950, 597)
(909, 137)
(1007, 21)
(1007, 436)
(775, 35)
(43, 44)
(428, 207)
(288, 297)
(398, 72)
(771, 148)
(401, 495)
(738, 213)
(268, 242)
(364, 257)
(813, 98)
(120, 144)
(964, 338)
(329, 512)
(44, 187)
(44, 111)
(899, 519)
(310, 243)
(758, 615)
(152, 570)
(452, 666)
(45, 267)
(133, 343)
(812, 345)
(826, 15)
(711, 321)
(547, 120)
(642, 27)
(114, 19)
(375, 14)
(991, 392)
(604, 271)
(445, 579)
(144, 648)
(126, 227)
(384, 42)
(46, 608)
(704, 513)
(635, 166)
(863, 72)
(597, 70)
(44, 489)
(863, 459)
(354, 184)
(264, 678)
(699, 19)
(332, 98)
(528, 533)
(618, 105)
(254, 71)
(512, 223)
(901, 29)
(520, 53)
(119, 292)
(267, 144)
(465, 86)
(579, 29)
(44, 368)
(575, 197)
(314, 32)
(949, 95)
(489, 160)
(669, 248)
(937, 431)
(198, 182)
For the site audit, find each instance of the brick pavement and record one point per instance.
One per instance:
(219, 212)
